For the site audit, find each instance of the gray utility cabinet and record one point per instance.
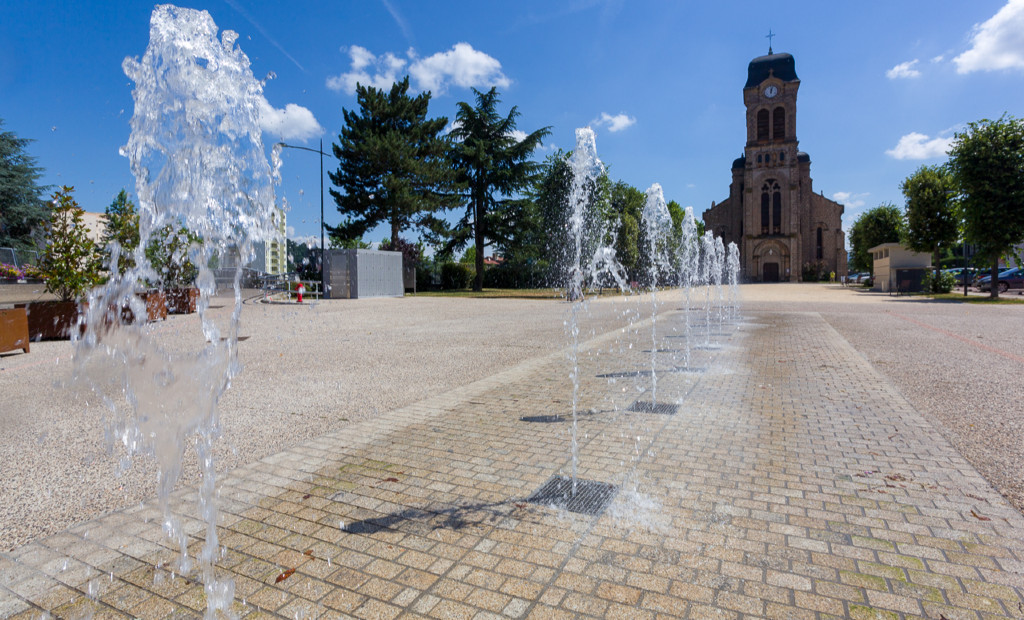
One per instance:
(352, 274)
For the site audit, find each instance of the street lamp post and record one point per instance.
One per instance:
(323, 247)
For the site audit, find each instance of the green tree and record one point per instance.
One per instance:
(626, 210)
(169, 254)
(931, 218)
(546, 234)
(883, 224)
(23, 212)
(496, 166)
(987, 161)
(70, 263)
(394, 165)
(122, 228)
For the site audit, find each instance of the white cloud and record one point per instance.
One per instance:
(369, 70)
(939, 58)
(294, 122)
(519, 135)
(614, 123)
(850, 199)
(903, 70)
(997, 43)
(919, 146)
(462, 66)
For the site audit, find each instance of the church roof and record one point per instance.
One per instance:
(801, 156)
(781, 66)
(739, 162)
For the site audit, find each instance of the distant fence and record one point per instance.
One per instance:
(19, 257)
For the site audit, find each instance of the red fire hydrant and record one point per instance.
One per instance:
(300, 288)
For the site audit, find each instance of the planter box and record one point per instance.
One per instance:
(181, 300)
(50, 320)
(13, 330)
(156, 307)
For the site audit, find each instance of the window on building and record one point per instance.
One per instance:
(762, 125)
(821, 251)
(764, 212)
(771, 207)
(779, 123)
(782, 156)
(776, 210)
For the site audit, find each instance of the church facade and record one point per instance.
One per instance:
(782, 228)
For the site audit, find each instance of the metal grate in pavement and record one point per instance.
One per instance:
(643, 406)
(591, 497)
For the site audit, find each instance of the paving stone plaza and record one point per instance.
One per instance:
(785, 478)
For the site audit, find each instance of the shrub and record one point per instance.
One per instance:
(516, 275)
(9, 271)
(943, 284)
(71, 261)
(455, 276)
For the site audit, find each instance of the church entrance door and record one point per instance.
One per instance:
(770, 272)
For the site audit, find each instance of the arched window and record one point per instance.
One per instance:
(771, 206)
(821, 252)
(776, 210)
(782, 155)
(762, 125)
(779, 123)
(764, 212)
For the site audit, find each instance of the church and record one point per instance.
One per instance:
(785, 232)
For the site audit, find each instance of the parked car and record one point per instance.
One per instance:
(959, 273)
(1009, 278)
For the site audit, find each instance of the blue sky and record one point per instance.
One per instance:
(884, 85)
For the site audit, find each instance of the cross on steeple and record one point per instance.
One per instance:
(769, 37)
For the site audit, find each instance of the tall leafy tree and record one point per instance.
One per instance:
(627, 206)
(883, 224)
(495, 164)
(393, 163)
(987, 161)
(549, 233)
(931, 218)
(23, 212)
(71, 261)
(122, 228)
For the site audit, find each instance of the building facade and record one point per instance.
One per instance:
(783, 229)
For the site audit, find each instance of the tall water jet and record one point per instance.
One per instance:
(732, 271)
(591, 259)
(718, 276)
(707, 259)
(197, 156)
(689, 265)
(657, 225)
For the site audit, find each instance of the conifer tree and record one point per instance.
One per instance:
(393, 164)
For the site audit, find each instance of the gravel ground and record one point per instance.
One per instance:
(958, 364)
(307, 370)
(315, 368)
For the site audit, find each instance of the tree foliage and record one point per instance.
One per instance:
(169, 253)
(987, 161)
(71, 261)
(23, 212)
(882, 224)
(931, 217)
(122, 229)
(393, 164)
(495, 166)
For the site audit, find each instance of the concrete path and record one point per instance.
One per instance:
(791, 481)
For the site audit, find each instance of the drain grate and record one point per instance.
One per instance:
(591, 497)
(543, 419)
(643, 406)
